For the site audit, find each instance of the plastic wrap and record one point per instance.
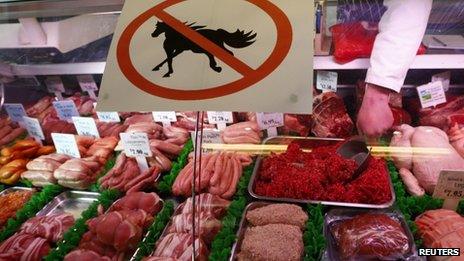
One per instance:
(366, 235)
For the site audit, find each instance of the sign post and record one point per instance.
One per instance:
(55, 86)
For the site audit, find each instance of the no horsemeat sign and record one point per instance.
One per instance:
(223, 55)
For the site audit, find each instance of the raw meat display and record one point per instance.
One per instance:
(456, 136)
(115, 234)
(243, 132)
(425, 167)
(297, 123)
(35, 237)
(356, 40)
(13, 159)
(441, 228)
(12, 202)
(220, 173)
(330, 119)
(40, 170)
(274, 236)
(322, 174)
(370, 236)
(126, 176)
(78, 173)
(176, 243)
(440, 115)
(107, 129)
(9, 131)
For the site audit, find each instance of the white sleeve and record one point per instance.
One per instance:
(401, 30)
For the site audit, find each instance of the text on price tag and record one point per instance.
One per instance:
(108, 116)
(327, 81)
(431, 94)
(164, 116)
(267, 120)
(86, 126)
(209, 136)
(33, 128)
(87, 83)
(450, 186)
(15, 111)
(215, 117)
(54, 84)
(136, 144)
(65, 110)
(66, 144)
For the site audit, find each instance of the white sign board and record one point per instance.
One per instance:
(327, 81)
(86, 126)
(15, 111)
(110, 116)
(33, 128)
(248, 55)
(65, 109)
(136, 144)
(166, 117)
(66, 144)
(431, 94)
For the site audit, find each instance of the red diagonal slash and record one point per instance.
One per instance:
(205, 43)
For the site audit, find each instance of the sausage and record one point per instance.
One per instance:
(5, 130)
(208, 171)
(137, 187)
(161, 159)
(149, 172)
(412, 185)
(226, 176)
(202, 180)
(166, 147)
(237, 174)
(11, 136)
(217, 170)
(178, 185)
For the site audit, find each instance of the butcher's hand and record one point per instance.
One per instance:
(375, 116)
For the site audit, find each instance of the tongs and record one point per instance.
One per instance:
(356, 149)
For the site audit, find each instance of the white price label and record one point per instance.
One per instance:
(66, 144)
(444, 78)
(33, 128)
(267, 120)
(327, 81)
(54, 84)
(164, 116)
(431, 94)
(136, 144)
(15, 111)
(209, 136)
(86, 126)
(87, 83)
(65, 110)
(450, 185)
(109, 116)
(215, 117)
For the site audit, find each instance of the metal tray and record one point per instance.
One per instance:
(14, 189)
(339, 215)
(329, 203)
(72, 202)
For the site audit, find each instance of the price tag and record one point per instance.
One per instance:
(86, 126)
(166, 117)
(269, 121)
(444, 78)
(15, 111)
(88, 85)
(136, 144)
(450, 186)
(209, 136)
(220, 118)
(66, 144)
(65, 110)
(33, 128)
(55, 85)
(327, 81)
(110, 116)
(431, 94)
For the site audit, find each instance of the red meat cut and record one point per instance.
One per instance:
(441, 228)
(23, 246)
(49, 227)
(330, 119)
(149, 202)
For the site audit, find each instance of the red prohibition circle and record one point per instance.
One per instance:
(280, 51)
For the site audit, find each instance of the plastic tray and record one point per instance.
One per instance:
(72, 202)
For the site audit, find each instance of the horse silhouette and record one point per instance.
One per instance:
(175, 43)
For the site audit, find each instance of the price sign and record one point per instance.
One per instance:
(55, 85)
(65, 110)
(269, 121)
(166, 117)
(66, 144)
(431, 94)
(15, 111)
(327, 81)
(88, 84)
(110, 116)
(220, 118)
(136, 144)
(444, 78)
(209, 136)
(450, 186)
(33, 128)
(86, 126)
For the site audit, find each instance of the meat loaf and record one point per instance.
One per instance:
(272, 242)
(278, 214)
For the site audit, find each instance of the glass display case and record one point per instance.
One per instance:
(348, 181)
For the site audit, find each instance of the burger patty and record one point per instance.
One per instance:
(278, 214)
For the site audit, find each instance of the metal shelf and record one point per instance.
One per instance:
(427, 61)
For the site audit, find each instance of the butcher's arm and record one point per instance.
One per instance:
(401, 30)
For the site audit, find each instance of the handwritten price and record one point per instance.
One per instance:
(138, 152)
(454, 193)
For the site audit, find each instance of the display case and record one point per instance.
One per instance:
(79, 183)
